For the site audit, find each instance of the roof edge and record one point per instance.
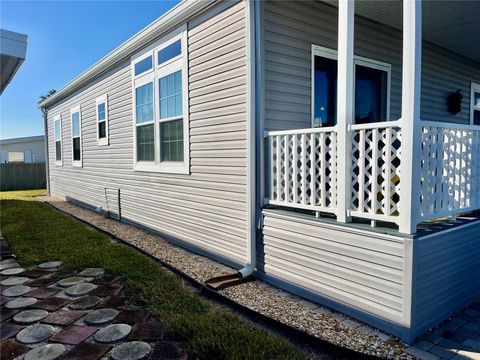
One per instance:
(172, 18)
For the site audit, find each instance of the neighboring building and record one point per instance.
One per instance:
(13, 50)
(25, 149)
(261, 135)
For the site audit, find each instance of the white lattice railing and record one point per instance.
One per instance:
(376, 167)
(303, 168)
(450, 169)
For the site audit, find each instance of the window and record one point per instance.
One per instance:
(16, 156)
(372, 88)
(143, 65)
(76, 136)
(102, 120)
(160, 107)
(475, 104)
(170, 52)
(58, 140)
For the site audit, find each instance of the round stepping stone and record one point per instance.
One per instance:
(46, 352)
(113, 333)
(20, 303)
(35, 333)
(12, 271)
(132, 350)
(50, 265)
(30, 316)
(101, 316)
(80, 289)
(15, 291)
(9, 265)
(16, 280)
(70, 281)
(84, 302)
(92, 272)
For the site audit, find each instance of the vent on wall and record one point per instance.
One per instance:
(112, 200)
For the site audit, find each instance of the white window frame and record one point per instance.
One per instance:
(76, 163)
(59, 119)
(357, 60)
(158, 71)
(474, 88)
(102, 100)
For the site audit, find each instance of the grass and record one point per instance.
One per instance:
(36, 233)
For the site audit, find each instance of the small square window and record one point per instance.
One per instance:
(170, 52)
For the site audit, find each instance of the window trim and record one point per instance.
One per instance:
(474, 88)
(102, 100)
(317, 50)
(59, 119)
(76, 163)
(175, 64)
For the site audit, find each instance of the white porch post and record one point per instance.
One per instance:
(345, 101)
(411, 127)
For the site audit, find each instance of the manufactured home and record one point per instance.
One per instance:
(331, 148)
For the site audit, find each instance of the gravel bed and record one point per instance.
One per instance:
(258, 295)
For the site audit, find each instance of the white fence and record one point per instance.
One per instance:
(450, 169)
(303, 170)
(375, 173)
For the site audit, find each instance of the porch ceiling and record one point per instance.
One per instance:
(453, 25)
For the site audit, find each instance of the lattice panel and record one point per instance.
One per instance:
(376, 168)
(450, 170)
(303, 169)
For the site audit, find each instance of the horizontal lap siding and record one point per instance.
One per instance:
(205, 209)
(364, 272)
(446, 276)
(292, 27)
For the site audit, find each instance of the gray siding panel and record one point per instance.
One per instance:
(447, 275)
(354, 271)
(205, 209)
(292, 27)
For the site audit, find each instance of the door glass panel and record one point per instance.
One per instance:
(325, 96)
(370, 95)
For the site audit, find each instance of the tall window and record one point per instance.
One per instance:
(475, 104)
(76, 136)
(58, 140)
(102, 120)
(372, 89)
(161, 103)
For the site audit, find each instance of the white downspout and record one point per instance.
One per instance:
(250, 265)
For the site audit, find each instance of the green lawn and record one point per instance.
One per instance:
(36, 233)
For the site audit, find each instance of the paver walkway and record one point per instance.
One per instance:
(457, 338)
(55, 314)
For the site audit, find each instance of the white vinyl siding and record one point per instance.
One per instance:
(204, 210)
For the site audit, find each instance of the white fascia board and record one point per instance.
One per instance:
(171, 19)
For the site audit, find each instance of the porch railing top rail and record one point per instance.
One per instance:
(377, 125)
(447, 125)
(327, 129)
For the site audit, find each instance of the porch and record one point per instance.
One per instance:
(393, 166)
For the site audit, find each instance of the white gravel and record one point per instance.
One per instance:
(258, 295)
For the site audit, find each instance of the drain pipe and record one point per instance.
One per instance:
(47, 170)
(250, 265)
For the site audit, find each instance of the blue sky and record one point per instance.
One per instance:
(64, 38)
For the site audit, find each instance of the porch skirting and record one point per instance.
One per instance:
(400, 284)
